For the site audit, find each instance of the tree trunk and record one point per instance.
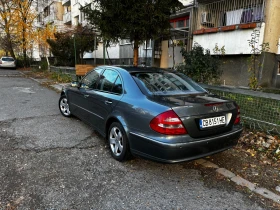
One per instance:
(24, 48)
(108, 56)
(10, 45)
(135, 52)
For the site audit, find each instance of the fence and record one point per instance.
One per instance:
(259, 110)
(65, 70)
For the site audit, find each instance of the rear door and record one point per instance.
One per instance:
(103, 100)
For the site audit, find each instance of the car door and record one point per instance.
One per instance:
(102, 100)
(79, 97)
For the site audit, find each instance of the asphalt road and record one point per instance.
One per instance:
(51, 162)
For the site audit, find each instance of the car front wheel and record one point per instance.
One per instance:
(64, 106)
(118, 142)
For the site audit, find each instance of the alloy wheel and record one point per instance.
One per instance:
(64, 107)
(116, 141)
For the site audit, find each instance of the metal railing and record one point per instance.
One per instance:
(228, 12)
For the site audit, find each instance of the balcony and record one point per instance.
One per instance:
(49, 19)
(66, 2)
(228, 23)
(67, 18)
(228, 12)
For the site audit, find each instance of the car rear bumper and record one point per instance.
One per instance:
(7, 66)
(179, 152)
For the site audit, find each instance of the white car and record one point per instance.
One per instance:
(7, 62)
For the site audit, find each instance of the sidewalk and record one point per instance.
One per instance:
(57, 87)
(243, 91)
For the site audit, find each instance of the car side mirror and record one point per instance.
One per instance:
(75, 84)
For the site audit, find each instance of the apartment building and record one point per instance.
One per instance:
(65, 14)
(232, 24)
(180, 35)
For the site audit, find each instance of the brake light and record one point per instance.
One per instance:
(213, 104)
(237, 120)
(168, 123)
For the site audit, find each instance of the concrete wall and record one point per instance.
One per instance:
(164, 61)
(59, 11)
(272, 19)
(277, 83)
(268, 72)
(277, 75)
(167, 55)
(114, 52)
(235, 70)
(235, 42)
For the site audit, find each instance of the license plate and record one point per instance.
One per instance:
(211, 122)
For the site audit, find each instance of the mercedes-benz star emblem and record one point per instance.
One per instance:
(215, 109)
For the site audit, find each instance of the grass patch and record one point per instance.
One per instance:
(56, 77)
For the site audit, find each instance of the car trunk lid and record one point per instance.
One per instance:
(202, 114)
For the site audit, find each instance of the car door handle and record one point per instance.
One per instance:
(86, 96)
(108, 102)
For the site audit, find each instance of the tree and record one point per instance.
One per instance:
(135, 20)
(42, 37)
(255, 64)
(200, 65)
(24, 17)
(63, 45)
(7, 40)
(17, 17)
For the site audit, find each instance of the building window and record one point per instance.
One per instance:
(148, 44)
(125, 41)
(76, 20)
(182, 22)
(83, 18)
(278, 67)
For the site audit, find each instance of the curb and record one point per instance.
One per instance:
(56, 87)
(240, 181)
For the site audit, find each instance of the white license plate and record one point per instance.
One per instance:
(211, 122)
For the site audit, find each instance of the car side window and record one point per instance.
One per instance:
(110, 82)
(91, 79)
(117, 88)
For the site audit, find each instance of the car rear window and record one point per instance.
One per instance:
(7, 59)
(166, 83)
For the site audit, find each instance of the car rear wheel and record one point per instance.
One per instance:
(118, 142)
(64, 106)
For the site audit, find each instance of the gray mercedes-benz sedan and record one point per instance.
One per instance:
(154, 113)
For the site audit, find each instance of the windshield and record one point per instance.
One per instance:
(7, 59)
(166, 83)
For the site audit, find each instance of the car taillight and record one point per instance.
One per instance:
(168, 123)
(237, 120)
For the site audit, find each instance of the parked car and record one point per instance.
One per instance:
(150, 112)
(7, 62)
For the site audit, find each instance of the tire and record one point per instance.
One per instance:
(64, 106)
(118, 142)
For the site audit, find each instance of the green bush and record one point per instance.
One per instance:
(21, 63)
(200, 65)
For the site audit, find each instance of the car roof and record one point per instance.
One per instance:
(134, 69)
(7, 57)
